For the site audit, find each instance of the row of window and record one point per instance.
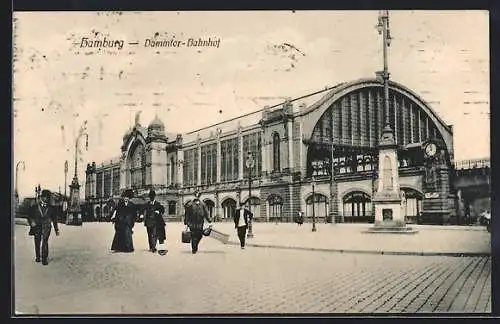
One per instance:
(110, 178)
(356, 204)
(229, 163)
(229, 160)
(350, 164)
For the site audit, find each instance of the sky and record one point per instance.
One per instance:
(443, 56)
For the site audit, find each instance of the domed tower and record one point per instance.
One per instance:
(156, 128)
(156, 154)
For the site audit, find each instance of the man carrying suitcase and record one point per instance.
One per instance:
(194, 218)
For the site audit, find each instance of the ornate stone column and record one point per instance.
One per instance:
(198, 169)
(241, 156)
(290, 145)
(218, 175)
(111, 183)
(180, 169)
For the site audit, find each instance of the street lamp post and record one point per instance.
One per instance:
(315, 168)
(313, 181)
(74, 209)
(332, 178)
(16, 193)
(383, 28)
(65, 177)
(249, 164)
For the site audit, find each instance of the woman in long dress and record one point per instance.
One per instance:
(124, 219)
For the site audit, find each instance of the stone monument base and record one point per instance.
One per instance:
(390, 227)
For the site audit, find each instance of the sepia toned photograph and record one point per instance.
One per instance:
(179, 163)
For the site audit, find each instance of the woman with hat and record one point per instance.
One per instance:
(41, 218)
(124, 219)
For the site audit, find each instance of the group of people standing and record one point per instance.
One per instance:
(196, 213)
(124, 219)
(42, 217)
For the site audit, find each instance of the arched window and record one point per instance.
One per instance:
(136, 167)
(357, 207)
(276, 152)
(98, 212)
(275, 207)
(172, 207)
(368, 163)
(211, 207)
(105, 211)
(360, 165)
(342, 165)
(254, 206)
(320, 206)
(228, 208)
(411, 204)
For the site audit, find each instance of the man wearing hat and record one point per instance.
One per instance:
(242, 217)
(196, 213)
(154, 223)
(41, 217)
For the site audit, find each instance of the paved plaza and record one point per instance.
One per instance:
(84, 277)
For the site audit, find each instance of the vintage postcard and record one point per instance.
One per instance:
(251, 162)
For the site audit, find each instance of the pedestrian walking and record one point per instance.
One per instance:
(41, 217)
(195, 215)
(155, 224)
(242, 216)
(300, 218)
(124, 219)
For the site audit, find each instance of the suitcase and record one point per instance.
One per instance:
(186, 236)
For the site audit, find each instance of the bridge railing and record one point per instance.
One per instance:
(472, 164)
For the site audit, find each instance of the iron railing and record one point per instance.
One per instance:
(472, 164)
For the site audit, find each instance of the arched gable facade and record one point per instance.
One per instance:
(350, 119)
(133, 162)
(363, 98)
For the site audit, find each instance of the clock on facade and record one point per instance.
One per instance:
(430, 149)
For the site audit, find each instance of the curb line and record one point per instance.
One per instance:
(450, 254)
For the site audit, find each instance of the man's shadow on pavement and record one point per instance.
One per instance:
(205, 251)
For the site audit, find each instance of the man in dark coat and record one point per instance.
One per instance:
(195, 216)
(154, 223)
(124, 219)
(242, 216)
(41, 218)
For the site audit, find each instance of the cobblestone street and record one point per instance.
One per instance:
(84, 277)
